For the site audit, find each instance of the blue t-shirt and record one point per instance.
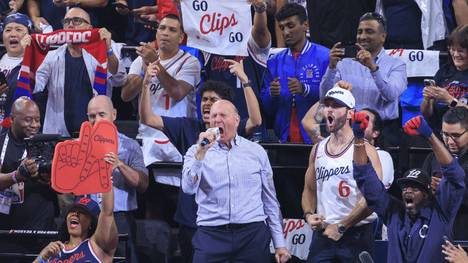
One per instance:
(77, 92)
(183, 133)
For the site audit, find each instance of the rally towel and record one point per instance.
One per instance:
(35, 53)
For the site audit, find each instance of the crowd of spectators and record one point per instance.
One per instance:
(279, 97)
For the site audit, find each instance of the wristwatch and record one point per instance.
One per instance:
(246, 85)
(454, 103)
(341, 228)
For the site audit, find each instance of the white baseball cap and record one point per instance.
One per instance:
(342, 96)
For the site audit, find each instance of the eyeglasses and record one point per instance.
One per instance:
(453, 136)
(76, 21)
(374, 16)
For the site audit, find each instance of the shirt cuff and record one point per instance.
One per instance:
(196, 166)
(278, 240)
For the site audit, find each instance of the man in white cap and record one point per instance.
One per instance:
(331, 201)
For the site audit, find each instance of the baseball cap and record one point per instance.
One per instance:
(86, 204)
(417, 176)
(20, 19)
(342, 96)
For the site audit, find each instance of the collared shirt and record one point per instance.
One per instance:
(233, 186)
(125, 197)
(183, 133)
(419, 241)
(379, 90)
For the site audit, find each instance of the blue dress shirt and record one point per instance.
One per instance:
(233, 186)
(379, 90)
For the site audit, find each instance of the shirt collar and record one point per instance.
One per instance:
(234, 142)
(382, 51)
(305, 48)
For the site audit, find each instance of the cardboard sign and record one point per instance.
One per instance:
(78, 166)
(218, 26)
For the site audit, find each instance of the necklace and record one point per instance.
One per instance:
(336, 149)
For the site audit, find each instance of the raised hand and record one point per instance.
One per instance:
(237, 68)
(336, 54)
(360, 122)
(417, 126)
(147, 52)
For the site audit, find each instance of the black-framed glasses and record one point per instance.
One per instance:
(374, 16)
(453, 136)
(76, 21)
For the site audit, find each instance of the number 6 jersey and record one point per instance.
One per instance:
(337, 192)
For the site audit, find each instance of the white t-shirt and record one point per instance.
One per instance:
(337, 191)
(387, 167)
(8, 63)
(156, 145)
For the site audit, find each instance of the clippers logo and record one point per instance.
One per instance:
(413, 174)
(324, 174)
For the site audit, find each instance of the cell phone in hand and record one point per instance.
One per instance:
(429, 82)
(3, 79)
(350, 50)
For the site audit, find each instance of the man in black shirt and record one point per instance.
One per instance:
(455, 137)
(26, 202)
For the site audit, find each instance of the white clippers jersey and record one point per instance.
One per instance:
(156, 145)
(337, 191)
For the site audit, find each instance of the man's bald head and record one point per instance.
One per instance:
(224, 115)
(101, 107)
(25, 118)
(77, 12)
(21, 104)
(228, 105)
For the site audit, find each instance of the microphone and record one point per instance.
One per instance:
(365, 257)
(215, 131)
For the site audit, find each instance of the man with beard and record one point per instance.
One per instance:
(417, 224)
(455, 138)
(331, 202)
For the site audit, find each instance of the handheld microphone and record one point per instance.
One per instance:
(215, 131)
(365, 257)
